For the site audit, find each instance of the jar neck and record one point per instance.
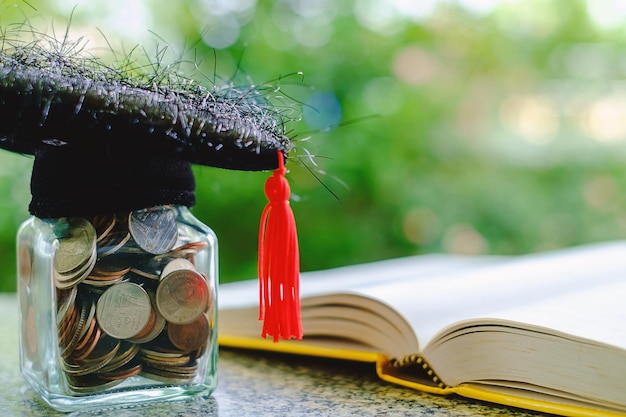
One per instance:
(66, 184)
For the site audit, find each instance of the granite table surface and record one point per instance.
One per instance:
(256, 384)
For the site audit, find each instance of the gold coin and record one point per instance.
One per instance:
(73, 278)
(182, 296)
(76, 248)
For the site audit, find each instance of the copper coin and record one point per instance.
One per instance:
(77, 330)
(82, 343)
(154, 230)
(66, 326)
(88, 345)
(25, 263)
(182, 296)
(65, 300)
(123, 310)
(190, 336)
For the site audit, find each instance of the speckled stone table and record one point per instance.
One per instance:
(255, 384)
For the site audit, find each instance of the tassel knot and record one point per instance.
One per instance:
(279, 262)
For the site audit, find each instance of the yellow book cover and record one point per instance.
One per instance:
(545, 332)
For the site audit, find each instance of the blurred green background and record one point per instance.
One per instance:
(468, 126)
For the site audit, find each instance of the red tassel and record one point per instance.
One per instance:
(279, 262)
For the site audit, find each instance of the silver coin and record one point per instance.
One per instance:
(175, 265)
(123, 310)
(154, 230)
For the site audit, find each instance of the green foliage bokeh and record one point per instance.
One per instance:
(499, 131)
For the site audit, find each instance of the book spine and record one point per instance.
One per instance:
(410, 362)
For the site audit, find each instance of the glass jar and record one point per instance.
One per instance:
(119, 308)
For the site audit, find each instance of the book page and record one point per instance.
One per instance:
(323, 291)
(579, 291)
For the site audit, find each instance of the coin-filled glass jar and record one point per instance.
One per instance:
(118, 308)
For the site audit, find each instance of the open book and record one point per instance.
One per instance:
(545, 332)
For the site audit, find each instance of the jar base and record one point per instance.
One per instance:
(120, 397)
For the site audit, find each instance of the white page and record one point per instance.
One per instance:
(583, 288)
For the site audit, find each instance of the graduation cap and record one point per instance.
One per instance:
(104, 142)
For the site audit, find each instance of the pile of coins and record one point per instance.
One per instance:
(130, 300)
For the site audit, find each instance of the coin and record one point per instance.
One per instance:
(65, 299)
(123, 310)
(102, 276)
(90, 383)
(154, 230)
(125, 354)
(166, 377)
(104, 351)
(187, 369)
(67, 324)
(111, 326)
(145, 274)
(192, 336)
(157, 326)
(73, 278)
(182, 296)
(156, 361)
(77, 330)
(122, 372)
(103, 224)
(114, 242)
(75, 249)
(25, 264)
(89, 332)
(175, 265)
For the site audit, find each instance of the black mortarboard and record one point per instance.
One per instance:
(105, 142)
(85, 122)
